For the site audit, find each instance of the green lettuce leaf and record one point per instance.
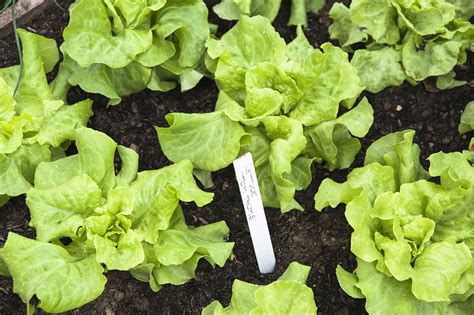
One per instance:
(464, 8)
(262, 44)
(342, 28)
(425, 17)
(299, 9)
(157, 194)
(319, 102)
(211, 141)
(60, 281)
(467, 119)
(377, 18)
(332, 140)
(379, 69)
(233, 9)
(435, 59)
(287, 295)
(174, 258)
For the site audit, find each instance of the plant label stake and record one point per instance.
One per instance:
(252, 200)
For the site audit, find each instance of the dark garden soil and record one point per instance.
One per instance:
(321, 240)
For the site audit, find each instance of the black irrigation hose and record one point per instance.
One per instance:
(12, 4)
(18, 44)
(59, 6)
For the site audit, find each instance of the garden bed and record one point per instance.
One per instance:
(321, 240)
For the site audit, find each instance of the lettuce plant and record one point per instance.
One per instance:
(405, 39)
(35, 125)
(413, 238)
(130, 221)
(287, 295)
(280, 102)
(118, 47)
(233, 9)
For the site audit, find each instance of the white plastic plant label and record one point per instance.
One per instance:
(252, 200)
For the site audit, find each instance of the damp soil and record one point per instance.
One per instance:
(321, 240)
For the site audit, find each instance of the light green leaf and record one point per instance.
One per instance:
(397, 256)
(187, 21)
(348, 282)
(60, 281)
(7, 111)
(34, 96)
(332, 139)
(269, 88)
(288, 141)
(299, 8)
(177, 274)
(425, 17)
(287, 295)
(95, 159)
(128, 172)
(160, 51)
(453, 169)
(464, 8)
(342, 28)
(17, 170)
(378, 18)
(448, 81)
(301, 172)
(60, 211)
(332, 194)
(438, 269)
(296, 272)
(124, 254)
(211, 141)
(110, 82)
(379, 69)
(61, 127)
(386, 295)
(174, 247)
(262, 44)
(433, 59)
(299, 49)
(174, 258)
(467, 119)
(157, 194)
(320, 103)
(233, 9)
(89, 34)
(398, 151)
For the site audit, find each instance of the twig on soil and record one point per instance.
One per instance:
(9, 228)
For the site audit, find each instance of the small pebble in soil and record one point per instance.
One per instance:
(225, 185)
(398, 108)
